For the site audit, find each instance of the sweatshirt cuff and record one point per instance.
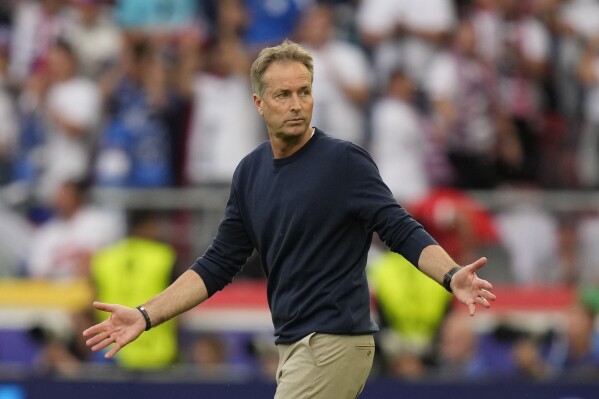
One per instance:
(419, 239)
(206, 276)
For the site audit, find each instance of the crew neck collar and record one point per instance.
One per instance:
(282, 161)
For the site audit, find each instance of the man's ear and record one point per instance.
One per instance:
(258, 103)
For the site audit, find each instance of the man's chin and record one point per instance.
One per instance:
(292, 133)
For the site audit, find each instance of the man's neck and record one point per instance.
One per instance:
(283, 147)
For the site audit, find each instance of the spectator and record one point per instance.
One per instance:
(156, 16)
(9, 128)
(399, 141)
(588, 153)
(462, 90)
(266, 355)
(412, 308)
(522, 67)
(563, 97)
(512, 351)
(577, 22)
(15, 233)
(61, 248)
(528, 360)
(62, 352)
(404, 33)
(457, 221)
(569, 248)
(94, 35)
(231, 20)
(341, 93)
(36, 27)
(579, 361)
(486, 18)
(145, 120)
(141, 264)
(271, 21)
(530, 235)
(209, 354)
(458, 356)
(224, 126)
(588, 250)
(62, 111)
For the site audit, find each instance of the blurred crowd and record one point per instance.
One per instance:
(447, 95)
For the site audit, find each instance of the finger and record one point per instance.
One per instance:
(484, 284)
(96, 329)
(483, 302)
(488, 295)
(113, 351)
(471, 308)
(97, 338)
(103, 344)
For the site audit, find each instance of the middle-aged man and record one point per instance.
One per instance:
(309, 204)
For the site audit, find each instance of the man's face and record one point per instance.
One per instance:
(287, 103)
(66, 200)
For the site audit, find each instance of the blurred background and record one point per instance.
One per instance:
(121, 123)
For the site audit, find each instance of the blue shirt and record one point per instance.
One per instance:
(139, 136)
(311, 217)
(272, 21)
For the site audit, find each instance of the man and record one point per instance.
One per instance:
(61, 248)
(309, 204)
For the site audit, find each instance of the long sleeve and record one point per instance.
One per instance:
(228, 252)
(374, 203)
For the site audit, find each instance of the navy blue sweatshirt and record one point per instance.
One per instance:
(311, 217)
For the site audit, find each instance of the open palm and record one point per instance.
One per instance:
(470, 289)
(122, 327)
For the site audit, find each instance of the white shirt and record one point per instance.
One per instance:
(32, 36)
(591, 98)
(530, 236)
(9, 126)
(95, 44)
(339, 64)
(398, 149)
(588, 233)
(582, 16)
(64, 156)
(76, 100)
(225, 127)
(59, 246)
(15, 233)
(381, 17)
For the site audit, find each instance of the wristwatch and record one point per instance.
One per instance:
(448, 276)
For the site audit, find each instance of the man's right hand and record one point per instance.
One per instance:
(122, 327)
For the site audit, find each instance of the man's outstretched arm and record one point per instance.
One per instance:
(125, 324)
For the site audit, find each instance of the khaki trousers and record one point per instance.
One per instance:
(324, 366)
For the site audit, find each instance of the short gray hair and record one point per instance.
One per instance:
(286, 51)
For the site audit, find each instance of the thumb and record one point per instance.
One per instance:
(473, 267)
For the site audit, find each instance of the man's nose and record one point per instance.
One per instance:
(295, 103)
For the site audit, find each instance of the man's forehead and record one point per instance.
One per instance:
(287, 73)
